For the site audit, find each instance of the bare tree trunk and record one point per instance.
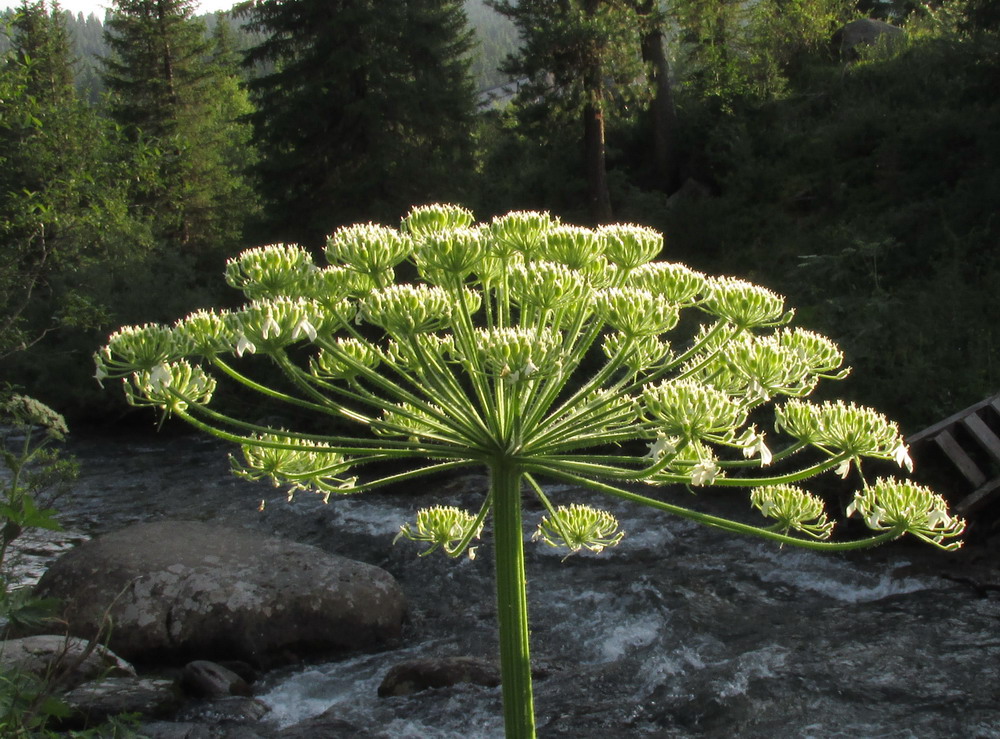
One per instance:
(599, 199)
(665, 150)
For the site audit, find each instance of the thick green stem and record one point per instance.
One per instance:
(512, 602)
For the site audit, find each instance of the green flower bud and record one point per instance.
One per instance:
(369, 250)
(638, 353)
(694, 459)
(691, 410)
(627, 246)
(331, 285)
(856, 430)
(894, 505)
(299, 463)
(406, 420)
(207, 332)
(448, 257)
(820, 354)
(441, 526)
(577, 527)
(743, 304)
(635, 312)
(519, 232)
(341, 363)
(403, 310)
(766, 368)
(424, 220)
(270, 271)
(547, 286)
(161, 386)
(793, 508)
(518, 354)
(267, 326)
(675, 282)
(134, 348)
(578, 248)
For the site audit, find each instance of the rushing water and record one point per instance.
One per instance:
(681, 631)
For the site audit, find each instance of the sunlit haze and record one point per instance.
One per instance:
(97, 7)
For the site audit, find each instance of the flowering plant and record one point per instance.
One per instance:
(483, 361)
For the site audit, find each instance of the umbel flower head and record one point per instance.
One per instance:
(542, 353)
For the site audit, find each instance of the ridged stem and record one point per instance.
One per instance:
(512, 601)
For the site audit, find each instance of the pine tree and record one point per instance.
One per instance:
(367, 107)
(42, 45)
(576, 56)
(167, 88)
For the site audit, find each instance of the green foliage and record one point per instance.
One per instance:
(869, 193)
(65, 187)
(483, 361)
(368, 107)
(171, 88)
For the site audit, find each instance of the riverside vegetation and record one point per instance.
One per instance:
(536, 350)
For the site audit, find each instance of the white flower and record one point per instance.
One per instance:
(244, 345)
(160, 377)
(704, 473)
(663, 445)
(844, 468)
(101, 373)
(753, 445)
(902, 457)
(270, 327)
(304, 327)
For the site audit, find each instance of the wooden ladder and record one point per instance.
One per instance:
(969, 441)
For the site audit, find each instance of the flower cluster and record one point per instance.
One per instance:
(445, 527)
(904, 507)
(523, 341)
(577, 527)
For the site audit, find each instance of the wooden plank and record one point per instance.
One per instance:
(932, 431)
(960, 459)
(988, 440)
(979, 498)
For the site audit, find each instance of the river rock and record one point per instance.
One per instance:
(415, 675)
(205, 679)
(98, 700)
(178, 590)
(70, 659)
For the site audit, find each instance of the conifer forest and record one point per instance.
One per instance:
(141, 150)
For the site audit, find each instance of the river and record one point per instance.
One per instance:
(681, 631)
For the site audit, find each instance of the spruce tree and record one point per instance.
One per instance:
(168, 89)
(576, 55)
(366, 107)
(42, 45)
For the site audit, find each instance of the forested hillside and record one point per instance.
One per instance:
(495, 37)
(861, 182)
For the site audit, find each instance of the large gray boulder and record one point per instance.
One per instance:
(182, 590)
(864, 32)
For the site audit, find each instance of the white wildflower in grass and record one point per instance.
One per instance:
(542, 353)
